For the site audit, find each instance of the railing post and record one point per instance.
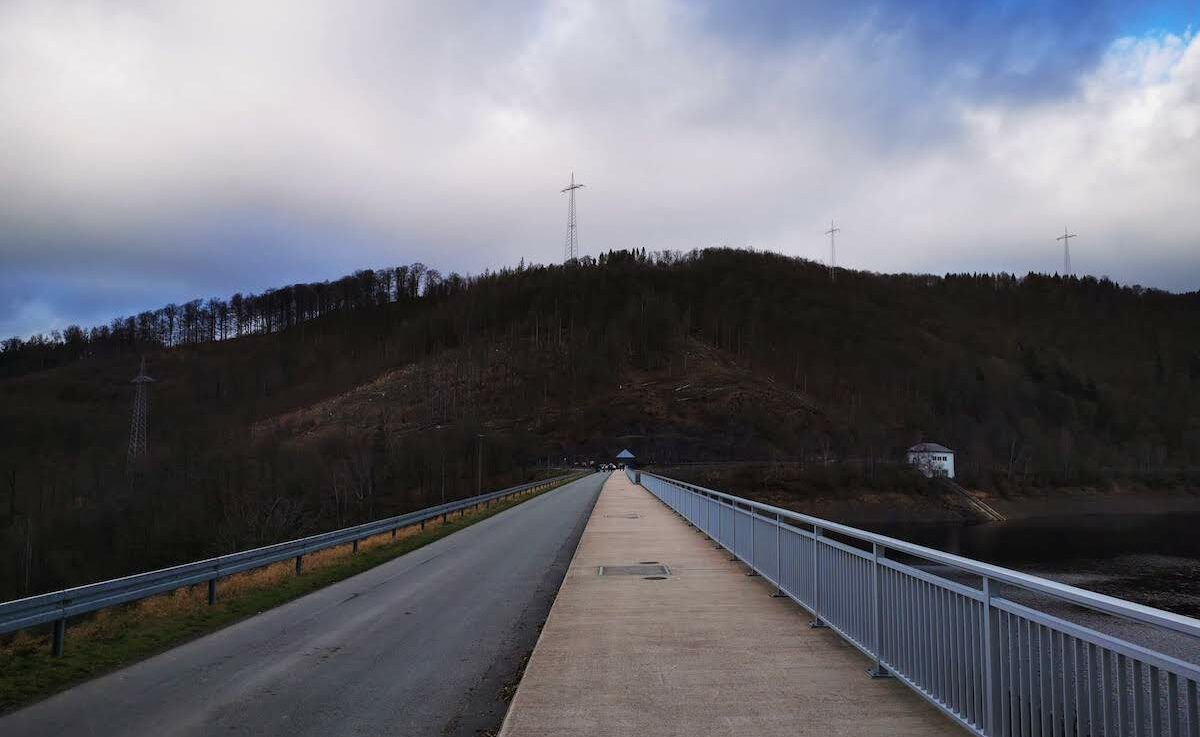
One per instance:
(991, 664)
(212, 591)
(394, 530)
(816, 579)
(778, 558)
(299, 563)
(720, 520)
(354, 547)
(753, 542)
(59, 638)
(735, 521)
(878, 671)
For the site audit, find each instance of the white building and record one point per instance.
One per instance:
(932, 459)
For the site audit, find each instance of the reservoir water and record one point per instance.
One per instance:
(1153, 559)
(1056, 541)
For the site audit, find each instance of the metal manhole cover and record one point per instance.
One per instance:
(638, 570)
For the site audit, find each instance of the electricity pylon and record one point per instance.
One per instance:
(571, 250)
(139, 429)
(833, 231)
(1066, 239)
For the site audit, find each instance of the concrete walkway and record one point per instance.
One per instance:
(704, 652)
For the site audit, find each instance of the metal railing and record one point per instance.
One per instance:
(58, 606)
(952, 631)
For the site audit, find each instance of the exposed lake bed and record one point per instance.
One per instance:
(1150, 559)
(1153, 559)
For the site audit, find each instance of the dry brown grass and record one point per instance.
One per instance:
(110, 622)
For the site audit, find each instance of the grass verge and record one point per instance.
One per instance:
(118, 636)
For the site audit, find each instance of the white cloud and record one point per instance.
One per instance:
(442, 131)
(1119, 162)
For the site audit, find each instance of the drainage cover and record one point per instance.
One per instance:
(638, 570)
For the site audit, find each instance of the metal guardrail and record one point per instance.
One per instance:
(995, 666)
(58, 606)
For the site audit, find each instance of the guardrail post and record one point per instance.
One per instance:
(394, 530)
(878, 671)
(299, 563)
(212, 591)
(991, 663)
(816, 579)
(59, 637)
(354, 547)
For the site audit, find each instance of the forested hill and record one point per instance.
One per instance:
(318, 405)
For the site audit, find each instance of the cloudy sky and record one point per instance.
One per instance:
(154, 152)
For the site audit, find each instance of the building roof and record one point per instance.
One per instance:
(929, 448)
(625, 454)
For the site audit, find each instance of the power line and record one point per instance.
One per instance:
(571, 251)
(1066, 239)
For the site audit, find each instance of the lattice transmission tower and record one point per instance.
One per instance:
(1066, 239)
(832, 233)
(571, 250)
(139, 429)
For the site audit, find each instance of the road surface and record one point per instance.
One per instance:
(420, 645)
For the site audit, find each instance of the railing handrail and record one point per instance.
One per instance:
(1082, 597)
(993, 665)
(51, 606)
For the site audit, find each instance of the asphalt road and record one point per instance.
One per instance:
(421, 645)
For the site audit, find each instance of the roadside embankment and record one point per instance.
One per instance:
(118, 636)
